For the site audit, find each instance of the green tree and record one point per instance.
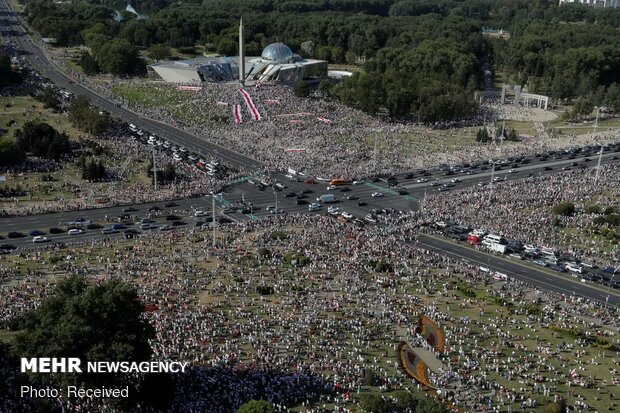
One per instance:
(256, 406)
(430, 405)
(483, 135)
(7, 75)
(10, 153)
(301, 89)
(404, 401)
(87, 118)
(564, 208)
(374, 403)
(119, 57)
(159, 52)
(93, 170)
(88, 64)
(92, 322)
(41, 139)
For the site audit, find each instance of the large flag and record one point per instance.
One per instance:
(250, 104)
(237, 114)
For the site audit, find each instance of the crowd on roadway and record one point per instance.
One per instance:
(522, 210)
(332, 316)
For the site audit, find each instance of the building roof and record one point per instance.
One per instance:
(277, 53)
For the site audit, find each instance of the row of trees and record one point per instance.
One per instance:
(424, 60)
(86, 117)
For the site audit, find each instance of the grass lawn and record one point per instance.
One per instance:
(522, 128)
(22, 109)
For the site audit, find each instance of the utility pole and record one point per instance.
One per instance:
(154, 170)
(600, 154)
(501, 140)
(375, 155)
(213, 214)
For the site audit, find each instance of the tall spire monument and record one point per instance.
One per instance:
(241, 53)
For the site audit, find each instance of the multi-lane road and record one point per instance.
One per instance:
(39, 60)
(520, 270)
(186, 208)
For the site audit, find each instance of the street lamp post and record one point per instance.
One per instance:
(600, 154)
(609, 291)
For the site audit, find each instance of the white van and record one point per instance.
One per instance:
(494, 239)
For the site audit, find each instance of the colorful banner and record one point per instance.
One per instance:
(237, 114)
(192, 88)
(325, 120)
(250, 104)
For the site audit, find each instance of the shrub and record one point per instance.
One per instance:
(564, 208)
(264, 289)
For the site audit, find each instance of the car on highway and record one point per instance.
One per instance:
(362, 203)
(118, 226)
(130, 209)
(166, 228)
(333, 210)
(542, 263)
(276, 211)
(147, 226)
(131, 233)
(351, 197)
(200, 213)
(370, 218)
(358, 182)
(75, 231)
(435, 183)
(347, 215)
(79, 221)
(443, 189)
(39, 239)
(455, 180)
(512, 171)
(315, 206)
(109, 231)
(377, 194)
(36, 232)
(421, 180)
(290, 195)
(332, 187)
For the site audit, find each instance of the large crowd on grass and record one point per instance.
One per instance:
(337, 319)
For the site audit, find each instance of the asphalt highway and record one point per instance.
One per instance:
(38, 59)
(186, 208)
(543, 279)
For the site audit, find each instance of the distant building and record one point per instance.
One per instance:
(595, 3)
(277, 63)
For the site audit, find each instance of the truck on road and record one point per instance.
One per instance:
(327, 199)
(501, 248)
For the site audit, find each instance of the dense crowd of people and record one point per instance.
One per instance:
(528, 204)
(336, 318)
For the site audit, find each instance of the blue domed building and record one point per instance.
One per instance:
(277, 63)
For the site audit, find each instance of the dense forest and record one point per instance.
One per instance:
(420, 59)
